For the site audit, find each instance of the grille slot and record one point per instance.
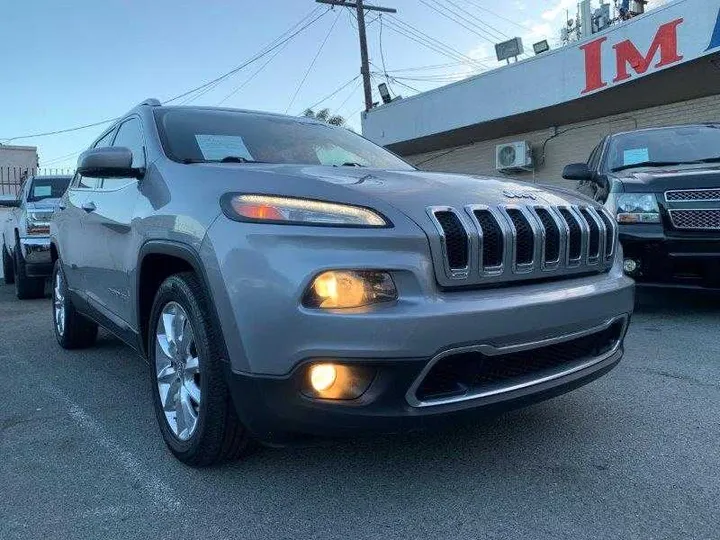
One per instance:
(574, 234)
(524, 237)
(552, 235)
(493, 242)
(474, 373)
(696, 219)
(594, 244)
(456, 239)
(693, 195)
(609, 234)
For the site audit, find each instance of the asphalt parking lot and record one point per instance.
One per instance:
(633, 455)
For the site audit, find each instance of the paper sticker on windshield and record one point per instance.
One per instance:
(636, 155)
(42, 191)
(217, 147)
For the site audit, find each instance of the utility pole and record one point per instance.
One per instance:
(365, 66)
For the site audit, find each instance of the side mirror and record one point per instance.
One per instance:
(10, 203)
(577, 171)
(108, 162)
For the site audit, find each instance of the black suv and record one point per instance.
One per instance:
(663, 186)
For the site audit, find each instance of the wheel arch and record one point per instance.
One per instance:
(158, 260)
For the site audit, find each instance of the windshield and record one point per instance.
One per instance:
(48, 188)
(195, 135)
(686, 144)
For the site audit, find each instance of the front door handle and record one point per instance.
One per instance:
(89, 206)
(62, 206)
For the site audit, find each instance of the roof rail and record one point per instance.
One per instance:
(152, 102)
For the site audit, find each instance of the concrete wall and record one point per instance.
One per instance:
(25, 157)
(573, 144)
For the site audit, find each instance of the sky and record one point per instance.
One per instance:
(71, 64)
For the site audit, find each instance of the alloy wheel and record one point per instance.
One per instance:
(177, 368)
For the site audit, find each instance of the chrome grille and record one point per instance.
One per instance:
(684, 195)
(696, 219)
(486, 245)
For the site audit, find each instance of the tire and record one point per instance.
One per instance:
(26, 287)
(200, 426)
(8, 268)
(72, 330)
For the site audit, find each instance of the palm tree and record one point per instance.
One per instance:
(324, 116)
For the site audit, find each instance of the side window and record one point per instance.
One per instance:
(594, 157)
(106, 140)
(130, 136)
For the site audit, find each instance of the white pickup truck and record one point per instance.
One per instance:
(25, 231)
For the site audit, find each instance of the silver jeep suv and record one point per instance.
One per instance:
(283, 277)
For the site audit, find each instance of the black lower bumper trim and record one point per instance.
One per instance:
(275, 411)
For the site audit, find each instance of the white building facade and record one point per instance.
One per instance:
(657, 69)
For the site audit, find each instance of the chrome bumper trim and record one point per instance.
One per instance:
(491, 350)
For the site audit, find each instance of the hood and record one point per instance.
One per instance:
(44, 205)
(407, 190)
(662, 180)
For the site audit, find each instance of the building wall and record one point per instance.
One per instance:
(573, 142)
(18, 156)
(15, 163)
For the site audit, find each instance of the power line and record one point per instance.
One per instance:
(420, 37)
(312, 64)
(350, 95)
(458, 20)
(479, 23)
(506, 19)
(59, 131)
(334, 93)
(255, 74)
(277, 42)
(264, 52)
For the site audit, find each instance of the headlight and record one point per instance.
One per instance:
(294, 211)
(340, 289)
(38, 222)
(634, 207)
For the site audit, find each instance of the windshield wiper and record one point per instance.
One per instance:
(350, 164)
(226, 159)
(647, 164)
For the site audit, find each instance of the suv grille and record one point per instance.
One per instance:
(552, 235)
(492, 236)
(525, 237)
(575, 244)
(693, 195)
(520, 242)
(696, 219)
(456, 239)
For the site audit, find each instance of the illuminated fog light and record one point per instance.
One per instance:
(322, 377)
(326, 380)
(630, 266)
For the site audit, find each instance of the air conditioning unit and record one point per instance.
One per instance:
(514, 156)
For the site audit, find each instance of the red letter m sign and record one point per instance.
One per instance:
(627, 55)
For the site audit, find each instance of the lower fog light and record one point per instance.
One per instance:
(325, 380)
(322, 377)
(630, 266)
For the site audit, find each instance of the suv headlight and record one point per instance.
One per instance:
(634, 207)
(296, 211)
(38, 223)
